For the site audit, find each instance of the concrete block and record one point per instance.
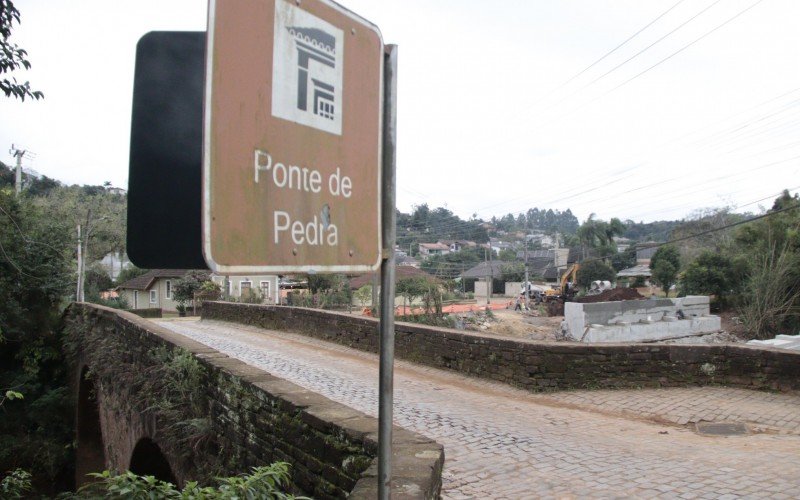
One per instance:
(695, 300)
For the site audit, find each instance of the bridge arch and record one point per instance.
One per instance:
(90, 453)
(148, 460)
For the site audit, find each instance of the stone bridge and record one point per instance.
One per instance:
(154, 400)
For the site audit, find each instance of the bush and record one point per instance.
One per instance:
(711, 273)
(771, 304)
(16, 484)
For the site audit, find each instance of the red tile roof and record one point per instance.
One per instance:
(146, 280)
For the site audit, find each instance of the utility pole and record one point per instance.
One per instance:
(18, 154)
(527, 287)
(79, 289)
(84, 233)
(489, 276)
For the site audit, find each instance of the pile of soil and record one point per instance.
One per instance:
(613, 295)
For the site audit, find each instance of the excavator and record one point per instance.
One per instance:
(555, 298)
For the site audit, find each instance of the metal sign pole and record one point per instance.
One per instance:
(388, 235)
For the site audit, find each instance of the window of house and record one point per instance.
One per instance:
(244, 288)
(264, 286)
(169, 289)
(153, 296)
(136, 299)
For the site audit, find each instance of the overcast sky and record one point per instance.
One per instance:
(491, 120)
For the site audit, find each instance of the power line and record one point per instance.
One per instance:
(587, 68)
(701, 37)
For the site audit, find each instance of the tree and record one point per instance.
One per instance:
(598, 235)
(35, 253)
(321, 282)
(710, 225)
(412, 288)
(624, 260)
(364, 294)
(12, 57)
(594, 270)
(507, 255)
(184, 289)
(710, 273)
(512, 271)
(665, 264)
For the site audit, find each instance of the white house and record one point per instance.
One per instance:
(266, 286)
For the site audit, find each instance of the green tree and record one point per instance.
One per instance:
(184, 290)
(364, 294)
(321, 282)
(711, 273)
(412, 288)
(665, 265)
(624, 260)
(598, 235)
(512, 271)
(36, 430)
(12, 57)
(594, 270)
(507, 255)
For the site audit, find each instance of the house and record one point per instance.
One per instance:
(458, 245)
(545, 240)
(405, 260)
(545, 263)
(427, 249)
(152, 290)
(496, 245)
(238, 287)
(622, 243)
(645, 252)
(493, 268)
(637, 271)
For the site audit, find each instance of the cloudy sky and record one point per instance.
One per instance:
(503, 106)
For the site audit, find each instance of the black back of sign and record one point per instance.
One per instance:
(164, 183)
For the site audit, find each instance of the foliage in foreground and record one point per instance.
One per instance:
(16, 484)
(267, 482)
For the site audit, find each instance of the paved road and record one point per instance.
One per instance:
(504, 443)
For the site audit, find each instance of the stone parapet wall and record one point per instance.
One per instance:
(537, 366)
(250, 418)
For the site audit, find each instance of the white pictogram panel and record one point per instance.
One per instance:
(307, 69)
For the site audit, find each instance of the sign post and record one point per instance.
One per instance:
(292, 138)
(386, 344)
(299, 141)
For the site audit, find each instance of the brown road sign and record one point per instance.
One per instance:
(292, 138)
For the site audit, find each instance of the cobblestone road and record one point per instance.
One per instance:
(504, 443)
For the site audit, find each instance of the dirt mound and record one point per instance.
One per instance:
(613, 295)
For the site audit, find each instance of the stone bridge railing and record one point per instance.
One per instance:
(538, 366)
(154, 402)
